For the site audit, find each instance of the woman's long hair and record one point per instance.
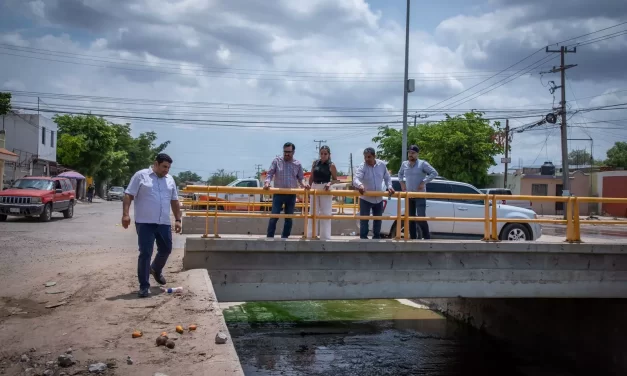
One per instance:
(328, 149)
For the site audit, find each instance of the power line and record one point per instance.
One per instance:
(518, 62)
(214, 69)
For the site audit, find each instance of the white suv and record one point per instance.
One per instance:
(437, 207)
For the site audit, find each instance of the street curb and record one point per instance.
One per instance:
(224, 360)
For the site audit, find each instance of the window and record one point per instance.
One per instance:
(466, 190)
(52, 138)
(437, 187)
(43, 135)
(539, 189)
(247, 184)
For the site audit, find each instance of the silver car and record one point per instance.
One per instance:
(115, 193)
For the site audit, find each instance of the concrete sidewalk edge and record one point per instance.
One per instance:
(224, 359)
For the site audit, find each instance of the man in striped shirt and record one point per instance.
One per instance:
(287, 173)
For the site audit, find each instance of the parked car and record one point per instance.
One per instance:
(38, 196)
(503, 191)
(239, 201)
(463, 209)
(115, 193)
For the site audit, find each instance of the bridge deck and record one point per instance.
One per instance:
(251, 268)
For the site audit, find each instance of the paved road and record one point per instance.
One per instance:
(93, 261)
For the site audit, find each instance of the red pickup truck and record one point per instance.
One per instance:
(38, 196)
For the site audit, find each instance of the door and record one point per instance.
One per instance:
(440, 207)
(559, 206)
(60, 201)
(242, 198)
(468, 209)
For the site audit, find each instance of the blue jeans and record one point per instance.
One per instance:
(418, 208)
(147, 234)
(278, 203)
(364, 209)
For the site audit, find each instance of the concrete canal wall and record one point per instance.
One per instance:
(589, 334)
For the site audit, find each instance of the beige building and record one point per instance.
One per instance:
(549, 185)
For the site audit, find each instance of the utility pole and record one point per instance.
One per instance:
(419, 116)
(506, 152)
(319, 144)
(405, 86)
(562, 69)
(351, 164)
(258, 167)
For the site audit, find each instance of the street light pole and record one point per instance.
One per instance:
(405, 88)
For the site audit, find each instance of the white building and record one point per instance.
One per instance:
(34, 139)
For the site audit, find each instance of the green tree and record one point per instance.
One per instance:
(5, 103)
(221, 177)
(5, 107)
(104, 150)
(461, 148)
(617, 155)
(94, 137)
(186, 176)
(580, 157)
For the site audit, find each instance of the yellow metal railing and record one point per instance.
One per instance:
(490, 202)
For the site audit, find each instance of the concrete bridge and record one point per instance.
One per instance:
(251, 268)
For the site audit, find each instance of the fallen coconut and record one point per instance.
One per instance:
(162, 340)
(170, 344)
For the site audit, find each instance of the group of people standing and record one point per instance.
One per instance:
(371, 176)
(154, 194)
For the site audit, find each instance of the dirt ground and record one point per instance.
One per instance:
(93, 261)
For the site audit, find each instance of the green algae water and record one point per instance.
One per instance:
(366, 337)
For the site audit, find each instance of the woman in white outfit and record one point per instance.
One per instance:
(323, 174)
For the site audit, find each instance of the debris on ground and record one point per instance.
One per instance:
(179, 329)
(97, 368)
(170, 344)
(50, 284)
(192, 327)
(66, 360)
(129, 361)
(137, 334)
(221, 338)
(54, 305)
(25, 358)
(162, 340)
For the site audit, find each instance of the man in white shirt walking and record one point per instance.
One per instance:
(154, 192)
(369, 177)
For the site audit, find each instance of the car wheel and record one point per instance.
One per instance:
(47, 214)
(3, 217)
(392, 233)
(515, 232)
(69, 212)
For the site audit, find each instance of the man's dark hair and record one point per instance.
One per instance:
(370, 151)
(163, 157)
(288, 144)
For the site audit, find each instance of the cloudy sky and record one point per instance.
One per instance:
(228, 82)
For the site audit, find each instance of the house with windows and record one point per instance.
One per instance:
(551, 185)
(33, 138)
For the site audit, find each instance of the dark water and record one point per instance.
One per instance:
(366, 337)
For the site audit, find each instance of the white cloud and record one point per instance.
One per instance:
(332, 53)
(224, 54)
